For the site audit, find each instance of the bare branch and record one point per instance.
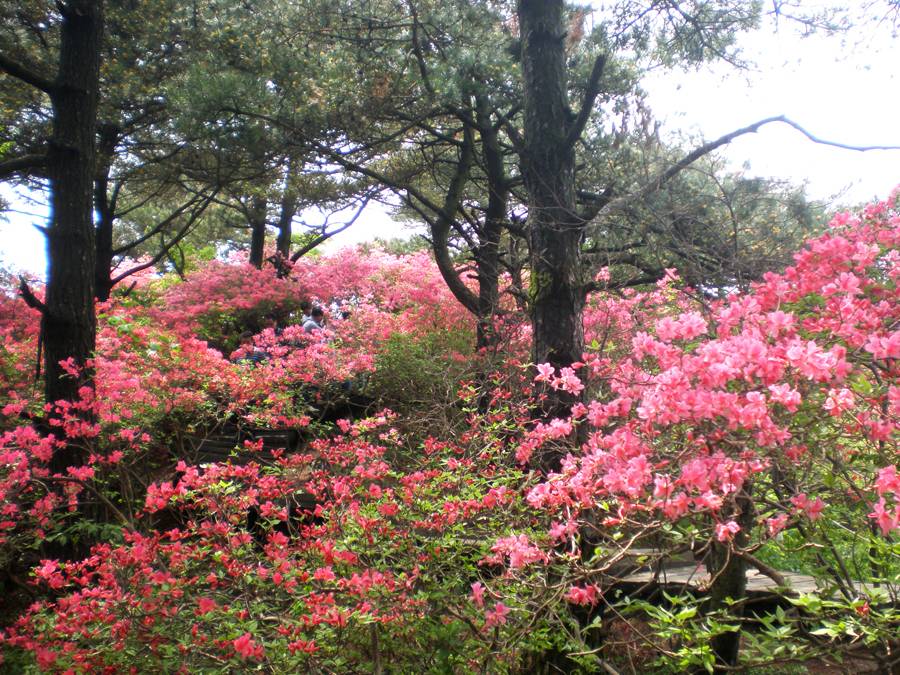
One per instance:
(649, 277)
(325, 236)
(417, 50)
(507, 116)
(594, 203)
(167, 246)
(440, 226)
(390, 183)
(696, 154)
(514, 135)
(165, 222)
(763, 568)
(834, 144)
(601, 251)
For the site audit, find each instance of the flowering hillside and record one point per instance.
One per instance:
(759, 432)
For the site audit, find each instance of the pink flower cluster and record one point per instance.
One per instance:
(704, 405)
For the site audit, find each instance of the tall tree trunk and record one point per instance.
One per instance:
(488, 259)
(104, 242)
(257, 214)
(108, 138)
(548, 167)
(285, 218)
(69, 322)
(289, 204)
(282, 257)
(488, 254)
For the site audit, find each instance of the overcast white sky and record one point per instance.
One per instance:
(841, 88)
(844, 89)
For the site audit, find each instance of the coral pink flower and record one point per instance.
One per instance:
(478, 594)
(726, 531)
(496, 616)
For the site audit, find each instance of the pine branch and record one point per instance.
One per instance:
(590, 96)
(29, 297)
(26, 164)
(26, 74)
(326, 235)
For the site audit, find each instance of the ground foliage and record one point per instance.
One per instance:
(760, 428)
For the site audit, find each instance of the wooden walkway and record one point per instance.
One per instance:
(680, 574)
(695, 576)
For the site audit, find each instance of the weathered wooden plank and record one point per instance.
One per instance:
(695, 576)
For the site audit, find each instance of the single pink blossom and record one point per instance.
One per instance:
(478, 594)
(496, 616)
(247, 648)
(726, 531)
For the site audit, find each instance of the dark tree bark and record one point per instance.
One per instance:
(548, 168)
(440, 224)
(731, 583)
(487, 255)
(257, 217)
(289, 203)
(108, 137)
(729, 573)
(485, 303)
(443, 217)
(69, 321)
(488, 262)
(285, 218)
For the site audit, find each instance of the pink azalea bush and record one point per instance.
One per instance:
(19, 330)
(376, 571)
(222, 298)
(158, 382)
(758, 427)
